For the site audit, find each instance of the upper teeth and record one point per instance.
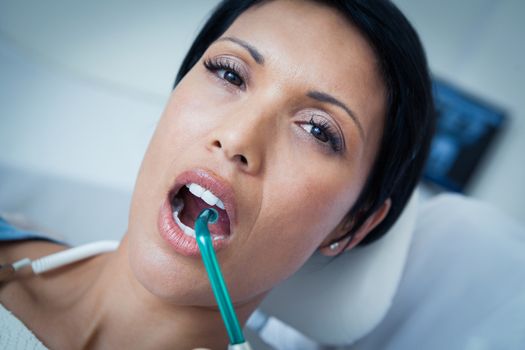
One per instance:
(205, 195)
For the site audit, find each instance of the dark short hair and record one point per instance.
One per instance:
(410, 117)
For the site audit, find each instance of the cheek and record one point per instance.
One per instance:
(313, 210)
(184, 119)
(319, 192)
(193, 109)
(299, 210)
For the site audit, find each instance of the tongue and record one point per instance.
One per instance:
(193, 207)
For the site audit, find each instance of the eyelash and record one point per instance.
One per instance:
(221, 63)
(334, 140)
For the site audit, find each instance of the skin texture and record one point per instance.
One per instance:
(292, 190)
(264, 121)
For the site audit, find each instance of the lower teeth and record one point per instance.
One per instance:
(187, 230)
(178, 205)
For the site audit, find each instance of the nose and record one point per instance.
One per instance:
(242, 140)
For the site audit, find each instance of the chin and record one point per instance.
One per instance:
(164, 276)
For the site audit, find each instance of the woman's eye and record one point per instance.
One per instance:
(230, 77)
(316, 131)
(324, 133)
(225, 69)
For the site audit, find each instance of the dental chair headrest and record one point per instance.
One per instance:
(336, 302)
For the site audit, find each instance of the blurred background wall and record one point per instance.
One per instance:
(83, 83)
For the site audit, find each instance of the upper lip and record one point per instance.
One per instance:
(210, 181)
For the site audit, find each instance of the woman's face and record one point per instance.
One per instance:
(281, 119)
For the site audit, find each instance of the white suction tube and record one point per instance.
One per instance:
(69, 256)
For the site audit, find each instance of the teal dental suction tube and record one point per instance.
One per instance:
(204, 240)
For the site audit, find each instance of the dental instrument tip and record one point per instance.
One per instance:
(209, 215)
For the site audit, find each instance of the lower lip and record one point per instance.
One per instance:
(176, 238)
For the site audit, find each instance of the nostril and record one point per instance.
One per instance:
(243, 159)
(238, 157)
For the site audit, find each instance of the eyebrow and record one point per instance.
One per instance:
(324, 97)
(256, 55)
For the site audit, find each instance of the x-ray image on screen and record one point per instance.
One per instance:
(465, 129)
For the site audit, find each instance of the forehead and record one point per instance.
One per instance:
(316, 47)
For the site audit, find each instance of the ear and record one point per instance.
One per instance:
(373, 220)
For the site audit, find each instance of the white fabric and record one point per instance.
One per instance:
(464, 285)
(339, 301)
(279, 335)
(14, 335)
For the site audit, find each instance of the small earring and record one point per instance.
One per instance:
(334, 246)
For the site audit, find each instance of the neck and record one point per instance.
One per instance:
(115, 311)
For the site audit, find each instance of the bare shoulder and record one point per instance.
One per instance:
(13, 251)
(32, 249)
(17, 295)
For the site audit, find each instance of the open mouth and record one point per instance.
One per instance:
(189, 201)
